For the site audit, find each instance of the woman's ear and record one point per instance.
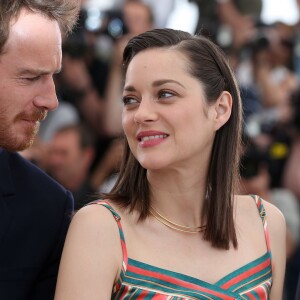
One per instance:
(223, 108)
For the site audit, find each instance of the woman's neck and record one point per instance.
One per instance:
(178, 195)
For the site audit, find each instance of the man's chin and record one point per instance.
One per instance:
(25, 145)
(14, 145)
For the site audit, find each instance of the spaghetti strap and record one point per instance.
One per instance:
(262, 213)
(106, 204)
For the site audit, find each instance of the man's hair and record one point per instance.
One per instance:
(207, 63)
(65, 12)
(86, 139)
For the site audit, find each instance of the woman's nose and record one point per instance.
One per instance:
(146, 111)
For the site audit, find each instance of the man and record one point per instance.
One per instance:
(71, 156)
(34, 210)
(242, 17)
(232, 23)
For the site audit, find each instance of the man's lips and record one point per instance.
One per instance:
(36, 116)
(31, 121)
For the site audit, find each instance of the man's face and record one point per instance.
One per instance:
(31, 56)
(66, 158)
(137, 18)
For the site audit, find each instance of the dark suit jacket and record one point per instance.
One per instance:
(35, 214)
(298, 290)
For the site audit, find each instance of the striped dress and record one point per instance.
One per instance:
(143, 281)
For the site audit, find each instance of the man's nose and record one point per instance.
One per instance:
(47, 97)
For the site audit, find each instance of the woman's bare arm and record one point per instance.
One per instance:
(92, 256)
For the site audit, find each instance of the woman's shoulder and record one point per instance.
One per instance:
(254, 203)
(96, 224)
(97, 213)
(252, 208)
(93, 240)
(95, 228)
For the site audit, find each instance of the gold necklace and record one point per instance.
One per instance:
(173, 225)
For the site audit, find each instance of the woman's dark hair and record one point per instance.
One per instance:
(208, 64)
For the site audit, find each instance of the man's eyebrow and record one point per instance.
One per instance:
(28, 71)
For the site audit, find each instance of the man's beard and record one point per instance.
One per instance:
(10, 141)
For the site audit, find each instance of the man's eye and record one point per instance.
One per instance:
(32, 78)
(129, 100)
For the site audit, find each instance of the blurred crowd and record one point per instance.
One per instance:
(80, 143)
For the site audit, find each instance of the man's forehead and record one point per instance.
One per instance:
(36, 40)
(33, 24)
(26, 15)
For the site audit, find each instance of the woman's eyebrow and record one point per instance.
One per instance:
(164, 81)
(131, 88)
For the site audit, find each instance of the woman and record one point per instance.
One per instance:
(172, 227)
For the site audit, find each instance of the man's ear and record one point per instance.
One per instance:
(223, 108)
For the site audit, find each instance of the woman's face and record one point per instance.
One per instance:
(165, 117)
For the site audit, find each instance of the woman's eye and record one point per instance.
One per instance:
(165, 94)
(129, 100)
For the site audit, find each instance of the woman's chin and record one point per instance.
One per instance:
(153, 165)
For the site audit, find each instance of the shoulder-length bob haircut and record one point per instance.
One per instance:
(208, 64)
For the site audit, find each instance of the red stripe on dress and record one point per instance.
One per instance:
(246, 274)
(173, 280)
(125, 258)
(142, 295)
(160, 297)
(124, 292)
(261, 292)
(251, 297)
(267, 237)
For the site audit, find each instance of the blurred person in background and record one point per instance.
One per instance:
(104, 173)
(255, 179)
(231, 23)
(34, 209)
(239, 18)
(273, 69)
(291, 176)
(71, 153)
(296, 49)
(77, 85)
(82, 83)
(267, 82)
(291, 179)
(266, 65)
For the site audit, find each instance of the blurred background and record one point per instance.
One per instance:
(80, 144)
